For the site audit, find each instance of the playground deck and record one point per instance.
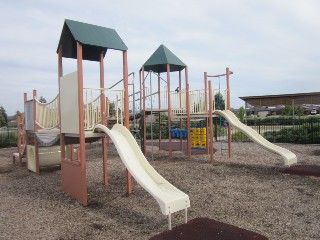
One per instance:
(250, 192)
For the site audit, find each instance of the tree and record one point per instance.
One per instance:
(287, 111)
(299, 111)
(17, 113)
(42, 100)
(241, 113)
(112, 111)
(2, 121)
(3, 117)
(219, 103)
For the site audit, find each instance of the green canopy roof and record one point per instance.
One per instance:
(159, 60)
(94, 40)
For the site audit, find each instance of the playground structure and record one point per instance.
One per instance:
(79, 115)
(181, 106)
(185, 107)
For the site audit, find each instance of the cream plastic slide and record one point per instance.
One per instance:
(169, 198)
(288, 157)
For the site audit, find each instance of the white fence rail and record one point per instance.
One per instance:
(116, 106)
(198, 102)
(47, 114)
(92, 109)
(92, 106)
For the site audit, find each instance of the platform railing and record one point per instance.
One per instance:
(224, 98)
(47, 114)
(92, 106)
(117, 109)
(178, 102)
(198, 103)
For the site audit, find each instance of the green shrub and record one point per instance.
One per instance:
(305, 134)
(8, 139)
(239, 137)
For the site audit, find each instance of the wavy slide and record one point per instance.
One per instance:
(288, 156)
(169, 198)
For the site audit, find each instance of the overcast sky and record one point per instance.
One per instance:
(271, 46)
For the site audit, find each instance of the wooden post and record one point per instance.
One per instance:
(25, 99)
(103, 121)
(81, 126)
(60, 74)
(159, 104)
(169, 109)
(35, 129)
(210, 147)
(188, 114)
(180, 98)
(208, 112)
(228, 108)
(126, 110)
(143, 115)
(19, 140)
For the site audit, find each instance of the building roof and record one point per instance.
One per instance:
(93, 38)
(160, 58)
(283, 99)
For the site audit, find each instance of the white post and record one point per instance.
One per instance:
(169, 221)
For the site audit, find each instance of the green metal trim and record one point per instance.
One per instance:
(93, 38)
(160, 58)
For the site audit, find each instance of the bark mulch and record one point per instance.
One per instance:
(205, 228)
(175, 146)
(303, 170)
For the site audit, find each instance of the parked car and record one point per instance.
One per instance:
(313, 112)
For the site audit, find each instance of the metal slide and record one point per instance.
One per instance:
(288, 156)
(169, 198)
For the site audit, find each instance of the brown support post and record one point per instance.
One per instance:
(144, 114)
(188, 114)
(159, 104)
(205, 90)
(19, 141)
(35, 129)
(210, 147)
(107, 111)
(60, 69)
(25, 99)
(103, 121)
(228, 88)
(141, 88)
(206, 103)
(60, 74)
(180, 98)
(228, 108)
(126, 110)
(169, 109)
(84, 197)
(159, 91)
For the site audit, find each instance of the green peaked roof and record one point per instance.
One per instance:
(159, 60)
(93, 38)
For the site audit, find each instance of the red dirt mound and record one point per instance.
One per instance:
(205, 228)
(303, 170)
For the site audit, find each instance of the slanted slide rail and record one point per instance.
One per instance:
(169, 198)
(288, 156)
